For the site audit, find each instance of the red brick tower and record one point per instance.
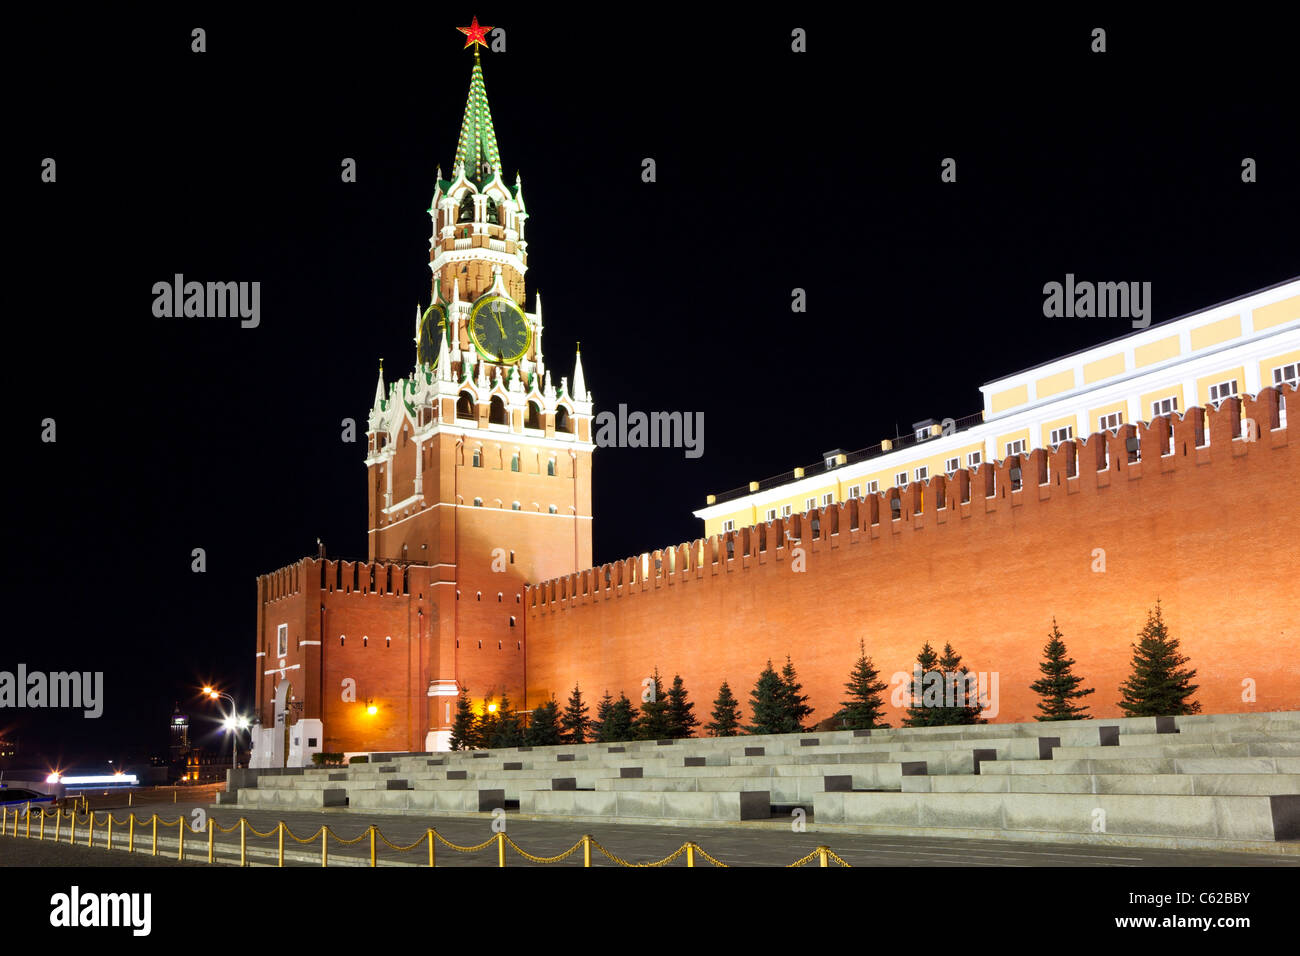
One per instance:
(478, 464)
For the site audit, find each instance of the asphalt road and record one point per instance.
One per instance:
(751, 845)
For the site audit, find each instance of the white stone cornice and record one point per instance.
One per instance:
(481, 254)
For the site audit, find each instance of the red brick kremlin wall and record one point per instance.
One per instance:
(1211, 530)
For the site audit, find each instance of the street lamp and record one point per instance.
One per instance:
(232, 722)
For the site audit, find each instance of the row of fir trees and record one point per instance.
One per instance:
(1159, 685)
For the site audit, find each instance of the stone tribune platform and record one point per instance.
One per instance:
(1226, 782)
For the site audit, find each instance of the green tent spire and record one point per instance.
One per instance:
(477, 147)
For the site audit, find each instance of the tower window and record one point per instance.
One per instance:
(465, 406)
(514, 506)
(552, 509)
(500, 595)
(478, 458)
(514, 464)
(512, 557)
(342, 638)
(729, 525)
(1115, 419)
(563, 423)
(1287, 374)
(787, 510)
(951, 465)
(550, 468)
(973, 459)
(923, 473)
(1016, 447)
(828, 499)
(534, 417)
(365, 641)
(492, 215)
(512, 620)
(497, 413)
(900, 480)
(388, 642)
(1061, 435)
(466, 208)
(771, 514)
(478, 502)
(810, 504)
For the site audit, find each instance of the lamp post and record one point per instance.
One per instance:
(232, 722)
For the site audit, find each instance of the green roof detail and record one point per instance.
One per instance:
(477, 147)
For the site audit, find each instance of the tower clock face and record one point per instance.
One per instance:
(432, 328)
(499, 330)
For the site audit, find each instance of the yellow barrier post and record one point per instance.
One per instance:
(130, 798)
(431, 842)
(243, 842)
(4, 819)
(501, 848)
(58, 822)
(42, 823)
(174, 792)
(586, 849)
(155, 835)
(27, 833)
(130, 834)
(821, 852)
(212, 833)
(90, 837)
(690, 854)
(72, 829)
(280, 860)
(372, 844)
(110, 831)
(324, 846)
(181, 827)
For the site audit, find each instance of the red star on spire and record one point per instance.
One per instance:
(475, 34)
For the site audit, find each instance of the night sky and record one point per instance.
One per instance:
(775, 170)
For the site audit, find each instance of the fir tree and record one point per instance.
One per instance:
(621, 723)
(463, 729)
(574, 722)
(918, 714)
(506, 731)
(726, 714)
(1159, 686)
(767, 703)
(796, 709)
(544, 726)
(654, 713)
(485, 727)
(1059, 684)
(681, 720)
(865, 706)
(961, 692)
(600, 726)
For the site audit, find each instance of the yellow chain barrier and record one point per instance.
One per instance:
(824, 854)
(464, 849)
(802, 860)
(544, 859)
